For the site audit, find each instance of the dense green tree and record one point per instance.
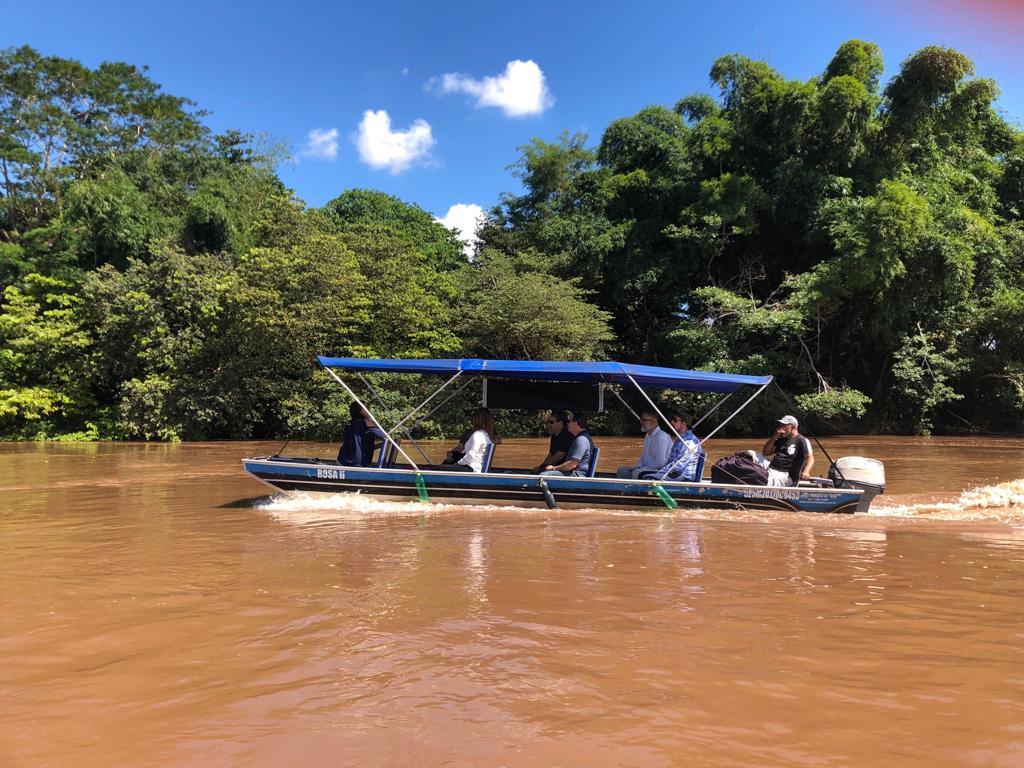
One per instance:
(857, 238)
(43, 359)
(363, 208)
(60, 120)
(514, 313)
(862, 240)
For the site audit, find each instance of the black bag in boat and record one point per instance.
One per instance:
(739, 469)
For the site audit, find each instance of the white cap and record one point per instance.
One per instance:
(791, 420)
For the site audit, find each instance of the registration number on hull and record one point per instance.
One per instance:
(782, 494)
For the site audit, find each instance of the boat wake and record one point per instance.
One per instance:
(316, 507)
(1002, 503)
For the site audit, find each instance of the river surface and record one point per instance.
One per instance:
(159, 608)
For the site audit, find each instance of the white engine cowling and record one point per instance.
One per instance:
(858, 472)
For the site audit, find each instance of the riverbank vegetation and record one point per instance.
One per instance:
(861, 240)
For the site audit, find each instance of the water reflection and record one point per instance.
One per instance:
(476, 568)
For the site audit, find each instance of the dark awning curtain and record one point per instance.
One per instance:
(551, 370)
(543, 395)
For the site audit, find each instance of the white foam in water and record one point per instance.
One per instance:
(1002, 503)
(316, 507)
(313, 508)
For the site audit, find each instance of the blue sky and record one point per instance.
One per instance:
(286, 69)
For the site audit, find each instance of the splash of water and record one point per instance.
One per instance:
(318, 507)
(1003, 502)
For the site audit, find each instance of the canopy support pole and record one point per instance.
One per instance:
(733, 414)
(635, 414)
(444, 402)
(437, 392)
(362, 405)
(747, 402)
(651, 403)
(431, 412)
(405, 431)
(662, 415)
(714, 408)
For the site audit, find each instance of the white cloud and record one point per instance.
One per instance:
(381, 147)
(405, 71)
(321, 144)
(465, 219)
(520, 91)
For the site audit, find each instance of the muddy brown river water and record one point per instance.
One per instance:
(160, 608)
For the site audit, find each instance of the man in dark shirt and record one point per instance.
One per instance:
(790, 451)
(358, 441)
(581, 452)
(561, 440)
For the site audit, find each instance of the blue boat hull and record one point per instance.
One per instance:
(294, 475)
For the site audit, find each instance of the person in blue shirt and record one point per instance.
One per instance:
(359, 439)
(684, 456)
(581, 452)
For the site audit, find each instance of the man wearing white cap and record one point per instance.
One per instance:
(792, 459)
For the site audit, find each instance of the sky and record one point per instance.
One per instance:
(429, 101)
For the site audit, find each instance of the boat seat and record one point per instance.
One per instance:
(699, 472)
(593, 462)
(386, 456)
(488, 455)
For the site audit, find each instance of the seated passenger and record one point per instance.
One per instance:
(482, 436)
(581, 452)
(657, 445)
(358, 440)
(791, 460)
(459, 450)
(684, 456)
(791, 456)
(561, 440)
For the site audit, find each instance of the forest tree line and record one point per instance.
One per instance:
(861, 241)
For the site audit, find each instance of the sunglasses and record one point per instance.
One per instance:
(552, 421)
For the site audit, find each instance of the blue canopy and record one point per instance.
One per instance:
(552, 370)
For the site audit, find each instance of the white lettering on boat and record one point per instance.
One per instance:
(327, 473)
(789, 494)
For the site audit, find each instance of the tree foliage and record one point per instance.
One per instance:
(861, 240)
(161, 283)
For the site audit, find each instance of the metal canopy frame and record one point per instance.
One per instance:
(387, 434)
(712, 432)
(406, 419)
(405, 430)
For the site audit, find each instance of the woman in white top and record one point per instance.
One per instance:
(478, 442)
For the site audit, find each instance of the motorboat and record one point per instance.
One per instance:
(395, 474)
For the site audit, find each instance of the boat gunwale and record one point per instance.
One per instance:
(533, 476)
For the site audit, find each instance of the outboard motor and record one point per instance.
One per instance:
(859, 472)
